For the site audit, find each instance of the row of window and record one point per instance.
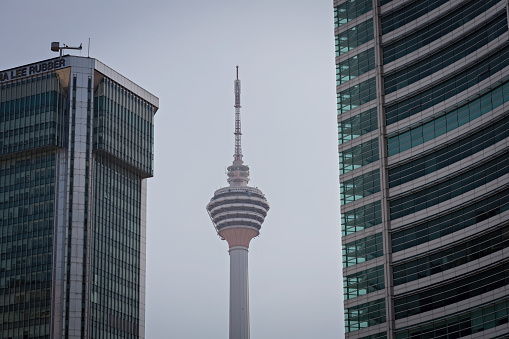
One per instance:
(31, 129)
(361, 218)
(116, 251)
(364, 282)
(354, 37)
(28, 87)
(453, 292)
(447, 89)
(362, 250)
(26, 106)
(451, 154)
(364, 315)
(436, 29)
(123, 126)
(355, 66)
(359, 187)
(356, 96)
(452, 257)
(407, 14)
(445, 57)
(462, 325)
(35, 324)
(451, 222)
(10, 248)
(449, 121)
(350, 10)
(17, 229)
(381, 335)
(358, 156)
(451, 188)
(357, 125)
(99, 330)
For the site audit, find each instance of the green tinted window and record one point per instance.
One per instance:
(365, 315)
(357, 125)
(356, 96)
(472, 321)
(355, 66)
(361, 218)
(449, 121)
(447, 89)
(360, 186)
(354, 37)
(362, 250)
(364, 282)
(350, 10)
(358, 156)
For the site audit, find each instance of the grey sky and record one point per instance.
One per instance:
(185, 52)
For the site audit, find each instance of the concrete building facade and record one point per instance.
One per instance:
(76, 148)
(423, 117)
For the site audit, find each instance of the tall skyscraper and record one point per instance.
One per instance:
(238, 212)
(76, 148)
(423, 123)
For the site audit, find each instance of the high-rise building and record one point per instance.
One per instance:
(238, 212)
(76, 148)
(423, 124)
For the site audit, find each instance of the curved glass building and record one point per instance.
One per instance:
(76, 148)
(423, 130)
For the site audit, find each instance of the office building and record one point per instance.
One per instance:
(76, 148)
(423, 129)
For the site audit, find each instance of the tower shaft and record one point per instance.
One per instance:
(239, 293)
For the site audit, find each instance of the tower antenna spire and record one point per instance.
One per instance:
(238, 134)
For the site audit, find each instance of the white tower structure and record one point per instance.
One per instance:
(238, 212)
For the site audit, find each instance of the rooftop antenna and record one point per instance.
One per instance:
(55, 47)
(88, 54)
(238, 148)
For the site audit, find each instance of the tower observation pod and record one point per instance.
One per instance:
(238, 212)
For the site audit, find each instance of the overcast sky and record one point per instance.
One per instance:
(185, 52)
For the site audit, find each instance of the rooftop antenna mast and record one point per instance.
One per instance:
(238, 148)
(55, 47)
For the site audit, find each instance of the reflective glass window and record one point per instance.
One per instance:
(357, 125)
(445, 57)
(354, 37)
(361, 218)
(436, 29)
(408, 13)
(362, 250)
(364, 282)
(356, 96)
(365, 315)
(451, 257)
(463, 183)
(358, 156)
(418, 102)
(451, 222)
(360, 186)
(449, 121)
(355, 66)
(450, 293)
(350, 10)
(450, 154)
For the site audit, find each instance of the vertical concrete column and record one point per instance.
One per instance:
(239, 293)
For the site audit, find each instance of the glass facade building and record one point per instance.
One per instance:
(423, 119)
(76, 148)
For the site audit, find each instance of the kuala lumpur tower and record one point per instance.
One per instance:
(237, 212)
